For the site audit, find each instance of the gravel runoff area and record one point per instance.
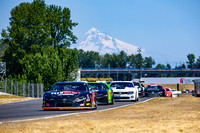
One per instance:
(181, 114)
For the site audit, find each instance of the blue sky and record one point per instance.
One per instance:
(168, 30)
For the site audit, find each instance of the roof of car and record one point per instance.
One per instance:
(70, 82)
(96, 83)
(122, 81)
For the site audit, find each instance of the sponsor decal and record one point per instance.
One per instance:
(71, 92)
(64, 93)
(88, 98)
(93, 98)
(87, 104)
(182, 80)
(82, 105)
(48, 104)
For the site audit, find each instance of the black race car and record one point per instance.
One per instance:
(155, 90)
(69, 95)
(103, 93)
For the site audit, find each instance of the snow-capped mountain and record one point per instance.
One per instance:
(96, 41)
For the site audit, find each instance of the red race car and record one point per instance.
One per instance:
(168, 92)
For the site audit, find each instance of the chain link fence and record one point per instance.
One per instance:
(22, 89)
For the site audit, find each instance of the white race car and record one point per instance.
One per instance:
(175, 93)
(124, 91)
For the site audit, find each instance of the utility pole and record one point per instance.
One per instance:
(109, 70)
(139, 51)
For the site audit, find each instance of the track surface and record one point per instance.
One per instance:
(32, 109)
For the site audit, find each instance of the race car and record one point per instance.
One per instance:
(103, 93)
(140, 88)
(168, 92)
(155, 90)
(124, 91)
(69, 95)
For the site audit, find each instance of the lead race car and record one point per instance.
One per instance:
(69, 95)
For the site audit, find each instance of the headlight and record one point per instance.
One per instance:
(130, 92)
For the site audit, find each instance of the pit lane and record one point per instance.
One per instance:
(32, 109)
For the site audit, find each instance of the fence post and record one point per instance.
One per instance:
(37, 90)
(32, 90)
(28, 89)
(11, 87)
(41, 88)
(17, 89)
(23, 89)
(14, 88)
(5, 86)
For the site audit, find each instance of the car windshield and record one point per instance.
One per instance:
(69, 87)
(121, 85)
(97, 86)
(136, 84)
(154, 87)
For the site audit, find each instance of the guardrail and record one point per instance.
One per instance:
(151, 69)
(22, 89)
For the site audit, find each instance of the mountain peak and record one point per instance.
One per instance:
(92, 31)
(102, 43)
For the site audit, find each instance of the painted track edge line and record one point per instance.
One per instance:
(87, 112)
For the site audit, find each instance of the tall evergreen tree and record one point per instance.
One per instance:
(191, 60)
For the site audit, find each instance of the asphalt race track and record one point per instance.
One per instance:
(32, 109)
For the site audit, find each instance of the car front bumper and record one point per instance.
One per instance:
(124, 97)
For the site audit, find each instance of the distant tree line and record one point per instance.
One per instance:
(91, 59)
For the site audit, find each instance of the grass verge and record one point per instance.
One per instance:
(11, 98)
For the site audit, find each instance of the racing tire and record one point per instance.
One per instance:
(112, 100)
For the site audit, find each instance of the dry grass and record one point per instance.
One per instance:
(159, 115)
(11, 98)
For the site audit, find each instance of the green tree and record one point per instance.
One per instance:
(106, 60)
(59, 26)
(191, 60)
(131, 61)
(168, 66)
(148, 62)
(139, 61)
(88, 59)
(122, 59)
(160, 66)
(36, 43)
(198, 63)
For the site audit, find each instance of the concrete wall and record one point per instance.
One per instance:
(172, 80)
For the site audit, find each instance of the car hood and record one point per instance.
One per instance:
(124, 90)
(64, 94)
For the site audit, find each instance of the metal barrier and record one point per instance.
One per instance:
(197, 87)
(22, 89)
